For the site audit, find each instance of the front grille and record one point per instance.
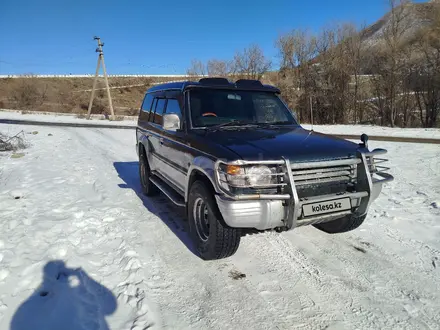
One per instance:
(323, 180)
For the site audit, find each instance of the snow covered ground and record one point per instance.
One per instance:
(80, 248)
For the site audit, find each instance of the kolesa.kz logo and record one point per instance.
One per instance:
(327, 207)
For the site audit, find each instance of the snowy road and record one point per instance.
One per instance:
(73, 202)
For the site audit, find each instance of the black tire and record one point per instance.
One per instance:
(343, 225)
(213, 239)
(148, 188)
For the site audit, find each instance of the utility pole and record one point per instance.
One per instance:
(100, 61)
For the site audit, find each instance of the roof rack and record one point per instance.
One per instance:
(214, 81)
(248, 83)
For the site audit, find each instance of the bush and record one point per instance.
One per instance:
(29, 93)
(13, 143)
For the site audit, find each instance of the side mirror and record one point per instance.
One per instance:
(364, 139)
(171, 122)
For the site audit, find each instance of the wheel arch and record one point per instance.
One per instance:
(143, 146)
(202, 169)
(198, 175)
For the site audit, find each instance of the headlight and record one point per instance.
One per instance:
(246, 176)
(259, 175)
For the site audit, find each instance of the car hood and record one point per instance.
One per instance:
(293, 143)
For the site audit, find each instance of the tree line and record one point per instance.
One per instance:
(387, 74)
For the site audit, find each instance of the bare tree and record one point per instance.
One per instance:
(354, 48)
(391, 64)
(427, 72)
(251, 63)
(197, 68)
(219, 68)
(333, 80)
(296, 50)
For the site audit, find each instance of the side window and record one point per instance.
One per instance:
(146, 105)
(153, 108)
(160, 106)
(173, 107)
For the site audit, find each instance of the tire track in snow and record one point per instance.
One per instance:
(299, 280)
(133, 290)
(195, 292)
(280, 283)
(397, 282)
(343, 294)
(204, 284)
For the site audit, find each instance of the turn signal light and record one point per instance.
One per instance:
(233, 169)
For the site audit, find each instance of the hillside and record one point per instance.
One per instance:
(72, 94)
(409, 18)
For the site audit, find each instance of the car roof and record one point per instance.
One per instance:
(219, 83)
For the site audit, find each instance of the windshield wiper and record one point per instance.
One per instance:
(229, 123)
(274, 124)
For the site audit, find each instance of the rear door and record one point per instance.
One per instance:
(155, 128)
(142, 131)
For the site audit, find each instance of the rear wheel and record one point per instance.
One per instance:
(342, 225)
(148, 188)
(212, 237)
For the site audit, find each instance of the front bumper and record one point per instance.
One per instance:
(280, 211)
(269, 214)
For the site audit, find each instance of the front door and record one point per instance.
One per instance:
(174, 150)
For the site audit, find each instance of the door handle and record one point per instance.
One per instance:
(161, 140)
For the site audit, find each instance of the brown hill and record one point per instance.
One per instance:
(406, 20)
(72, 94)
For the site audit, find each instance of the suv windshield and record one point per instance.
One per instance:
(212, 107)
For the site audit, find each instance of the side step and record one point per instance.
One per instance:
(168, 191)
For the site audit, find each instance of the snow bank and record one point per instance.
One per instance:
(66, 118)
(433, 133)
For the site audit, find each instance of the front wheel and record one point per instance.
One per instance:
(342, 225)
(212, 237)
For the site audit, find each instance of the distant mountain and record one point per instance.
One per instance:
(410, 19)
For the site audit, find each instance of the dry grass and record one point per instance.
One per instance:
(67, 95)
(72, 95)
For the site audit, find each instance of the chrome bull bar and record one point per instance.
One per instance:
(366, 170)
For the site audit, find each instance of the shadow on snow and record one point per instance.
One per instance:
(67, 299)
(174, 217)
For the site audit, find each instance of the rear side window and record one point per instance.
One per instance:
(173, 107)
(160, 106)
(146, 105)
